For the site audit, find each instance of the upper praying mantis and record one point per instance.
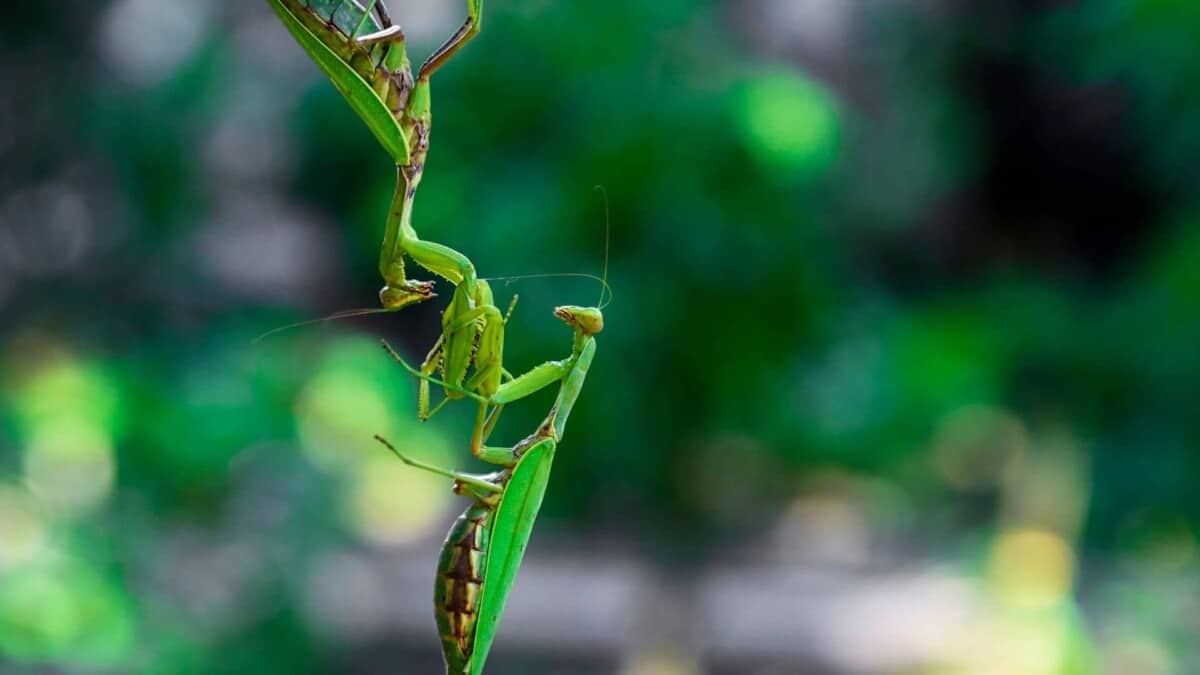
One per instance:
(373, 73)
(363, 54)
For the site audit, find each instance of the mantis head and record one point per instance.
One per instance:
(586, 320)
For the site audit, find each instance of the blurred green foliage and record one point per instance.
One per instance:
(817, 271)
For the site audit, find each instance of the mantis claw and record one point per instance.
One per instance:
(411, 293)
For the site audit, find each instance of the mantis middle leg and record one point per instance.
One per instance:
(479, 484)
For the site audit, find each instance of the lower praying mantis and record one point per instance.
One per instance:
(485, 546)
(374, 75)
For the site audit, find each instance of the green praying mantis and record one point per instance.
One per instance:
(373, 73)
(485, 546)
(363, 54)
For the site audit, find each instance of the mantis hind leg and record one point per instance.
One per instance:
(477, 483)
(465, 33)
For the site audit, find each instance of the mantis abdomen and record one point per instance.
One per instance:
(459, 587)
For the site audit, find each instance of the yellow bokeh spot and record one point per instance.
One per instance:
(389, 502)
(1006, 640)
(790, 123)
(69, 465)
(22, 529)
(662, 660)
(356, 394)
(65, 612)
(338, 413)
(64, 388)
(1031, 569)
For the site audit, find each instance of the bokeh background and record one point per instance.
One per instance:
(900, 375)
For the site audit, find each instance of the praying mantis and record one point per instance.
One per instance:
(373, 73)
(363, 54)
(485, 546)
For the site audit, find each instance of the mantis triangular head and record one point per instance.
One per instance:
(586, 320)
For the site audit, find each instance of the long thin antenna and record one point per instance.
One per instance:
(336, 316)
(601, 304)
(513, 278)
(605, 288)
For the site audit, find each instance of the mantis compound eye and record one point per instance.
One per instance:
(588, 320)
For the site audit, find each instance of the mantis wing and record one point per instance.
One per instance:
(517, 512)
(357, 92)
(515, 516)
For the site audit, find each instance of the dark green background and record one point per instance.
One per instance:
(920, 278)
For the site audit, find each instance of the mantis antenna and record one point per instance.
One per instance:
(605, 288)
(336, 316)
(601, 303)
(607, 241)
